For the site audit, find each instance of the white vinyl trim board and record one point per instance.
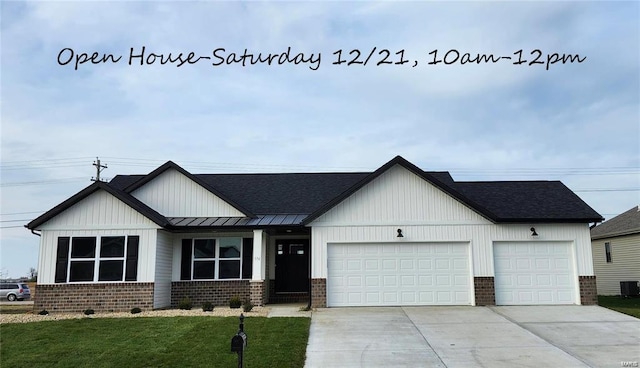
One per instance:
(392, 274)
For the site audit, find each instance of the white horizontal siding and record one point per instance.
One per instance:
(481, 238)
(100, 210)
(399, 196)
(162, 284)
(624, 266)
(174, 195)
(49, 246)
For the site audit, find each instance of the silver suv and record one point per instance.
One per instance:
(15, 291)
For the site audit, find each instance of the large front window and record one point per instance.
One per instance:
(97, 258)
(215, 259)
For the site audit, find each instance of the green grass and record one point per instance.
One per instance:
(153, 342)
(15, 309)
(630, 306)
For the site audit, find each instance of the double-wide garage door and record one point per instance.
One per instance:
(534, 273)
(398, 274)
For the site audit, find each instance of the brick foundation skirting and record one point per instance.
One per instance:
(318, 293)
(215, 292)
(257, 292)
(105, 297)
(485, 290)
(588, 290)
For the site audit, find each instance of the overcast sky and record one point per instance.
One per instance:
(577, 121)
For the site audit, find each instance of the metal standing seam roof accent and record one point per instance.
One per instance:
(260, 220)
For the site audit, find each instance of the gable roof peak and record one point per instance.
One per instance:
(89, 190)
(426, 176)
(172, 165)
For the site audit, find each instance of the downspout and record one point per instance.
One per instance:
(34, 233)
(309, 305)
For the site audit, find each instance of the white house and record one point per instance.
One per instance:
(395, 236)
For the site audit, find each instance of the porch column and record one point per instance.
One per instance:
(258, 272)
(259, 253)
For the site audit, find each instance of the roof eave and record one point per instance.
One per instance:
(84, 193)
(615, 235)
(547, 220)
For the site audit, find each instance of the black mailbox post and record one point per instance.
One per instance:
(239, 342)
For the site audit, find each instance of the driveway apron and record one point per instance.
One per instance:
(535, 336)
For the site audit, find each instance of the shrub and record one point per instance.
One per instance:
(88, 312)
(185, 304)
(247, 306)
(207, 307)
(235, 302)
(135, 310)
(43, 312)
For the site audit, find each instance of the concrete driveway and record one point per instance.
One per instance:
(527, 336)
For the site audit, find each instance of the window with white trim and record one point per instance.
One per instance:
(97, 259)
(212, 259)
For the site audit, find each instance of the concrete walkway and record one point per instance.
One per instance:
(288, 310)
(528, 336)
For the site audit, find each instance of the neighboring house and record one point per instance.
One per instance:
(615, 247)
(395, 236)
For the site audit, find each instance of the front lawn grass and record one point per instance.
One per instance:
(630, 306)
(15, 308)
(153, 342)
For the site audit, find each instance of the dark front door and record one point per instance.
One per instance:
(292, 265)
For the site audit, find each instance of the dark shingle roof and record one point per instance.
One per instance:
(312, 194)
(534, 201)
(283, 193)
(624, 224)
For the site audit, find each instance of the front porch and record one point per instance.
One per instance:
(274, 267)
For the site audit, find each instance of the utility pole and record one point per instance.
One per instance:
(99, 168)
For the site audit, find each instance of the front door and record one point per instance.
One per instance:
(292, 265)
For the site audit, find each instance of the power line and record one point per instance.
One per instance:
(144, 162)
(38, 182)
(46, 160)
(20, 213)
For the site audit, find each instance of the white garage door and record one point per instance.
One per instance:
(398, 274)
(534, 273)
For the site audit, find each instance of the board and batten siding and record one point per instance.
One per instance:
(174, 195)
(399, 199)
(164, 260)
(624, 266)
(100, 214)
(481, 238)
(49, 246)
(100, 210)
(399, 196)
